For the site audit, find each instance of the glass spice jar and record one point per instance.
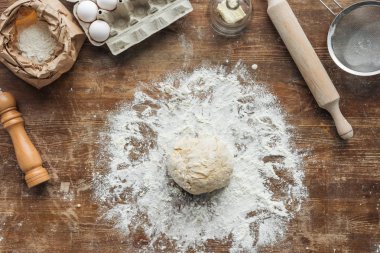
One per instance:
(230, 17)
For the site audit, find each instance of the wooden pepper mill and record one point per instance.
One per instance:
(27, 155)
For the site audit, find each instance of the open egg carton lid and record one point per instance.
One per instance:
(123, 23)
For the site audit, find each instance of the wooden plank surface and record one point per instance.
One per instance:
(341, 213)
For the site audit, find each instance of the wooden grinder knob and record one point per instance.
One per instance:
(27, 155)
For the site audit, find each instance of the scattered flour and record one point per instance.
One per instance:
(1, 237)
(266, 189)
(377, 248)
(65, 187)
(66, 192)
(36, 42)
(187, 48)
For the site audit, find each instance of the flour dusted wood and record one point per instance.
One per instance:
(266, 188)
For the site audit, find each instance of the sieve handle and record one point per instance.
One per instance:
(307, 62)
(330, 10)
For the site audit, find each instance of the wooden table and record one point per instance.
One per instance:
(341, 213)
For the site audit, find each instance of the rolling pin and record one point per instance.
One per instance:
(27, 155)
(308, 63)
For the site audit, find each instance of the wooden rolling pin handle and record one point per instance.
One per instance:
(27, 155)
(344, 128)
(308, 63)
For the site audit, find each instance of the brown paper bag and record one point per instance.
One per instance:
(61, 24)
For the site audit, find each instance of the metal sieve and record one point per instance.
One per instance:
(353, 40)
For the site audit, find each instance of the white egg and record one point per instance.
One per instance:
(87, 11)
(109, 5)
(99, 30)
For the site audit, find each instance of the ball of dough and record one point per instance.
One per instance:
(200, 165)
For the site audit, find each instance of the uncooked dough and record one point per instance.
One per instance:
(200, 165)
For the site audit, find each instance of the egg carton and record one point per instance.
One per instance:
(135, 20)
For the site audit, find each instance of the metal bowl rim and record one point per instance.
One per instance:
(332, 31)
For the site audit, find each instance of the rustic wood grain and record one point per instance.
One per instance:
(341, 213)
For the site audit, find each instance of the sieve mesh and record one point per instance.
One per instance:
(354, 38)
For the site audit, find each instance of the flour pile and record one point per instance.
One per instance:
(266, 188)
(36, 42)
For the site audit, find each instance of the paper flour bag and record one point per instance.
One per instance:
(39, 40)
